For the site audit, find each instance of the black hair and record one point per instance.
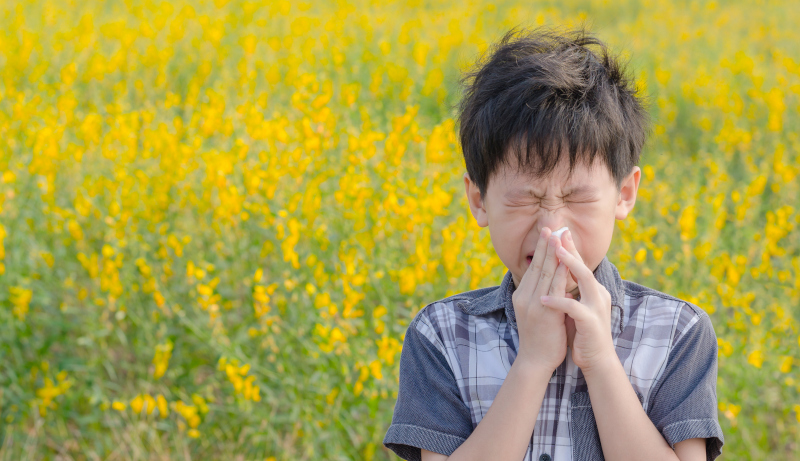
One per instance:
(540, 93)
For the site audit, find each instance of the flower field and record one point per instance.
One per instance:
(217, 218)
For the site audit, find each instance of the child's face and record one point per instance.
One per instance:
(517, 206)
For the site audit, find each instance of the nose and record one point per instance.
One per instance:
(552, 221)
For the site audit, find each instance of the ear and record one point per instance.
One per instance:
(475, 202)
(627, 193)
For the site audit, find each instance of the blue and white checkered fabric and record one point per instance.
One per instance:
(458, 351)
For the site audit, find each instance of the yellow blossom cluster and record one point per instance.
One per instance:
(237, 375)
(50, 389)
(191, 414)
(161, 359)
(20, 300)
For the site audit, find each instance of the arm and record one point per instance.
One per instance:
(508, 418)
(505, 430)
(626, 431)
(690, 449)
(431, 418)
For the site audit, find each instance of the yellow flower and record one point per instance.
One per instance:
(756, 358)
(161, 403)
(20, 299)
(379, 312)
(149, 404)
(786, 364)
(375, 369)
(161, 359)
(331, 397)
(408, 281)
(358, 388)
(687, 222)
(136, 404)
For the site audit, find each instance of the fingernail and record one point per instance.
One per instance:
(569, 235)
(542, 233)
(561, 251)
(545, 299)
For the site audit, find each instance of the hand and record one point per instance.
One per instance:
(592, 315)
(542, 333)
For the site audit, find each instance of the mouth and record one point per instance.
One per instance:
(529, 258)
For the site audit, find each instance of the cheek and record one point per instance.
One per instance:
(509, 232)
(592, 234)
(513, 221)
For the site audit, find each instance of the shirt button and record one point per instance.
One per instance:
(545, 457)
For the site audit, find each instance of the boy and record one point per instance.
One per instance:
(564, 360)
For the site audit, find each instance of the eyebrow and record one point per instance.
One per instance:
(577, 190)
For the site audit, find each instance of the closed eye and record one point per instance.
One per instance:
(523, 203)
(580, 198)
(585, 200)
(580, 195)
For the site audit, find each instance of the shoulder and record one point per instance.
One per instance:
(653, 308)
(469, 295)
(441, 320)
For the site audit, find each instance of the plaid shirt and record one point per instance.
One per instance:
(458, 351)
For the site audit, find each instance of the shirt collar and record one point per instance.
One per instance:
(606, 273)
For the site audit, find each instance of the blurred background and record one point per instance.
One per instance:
(217, 218)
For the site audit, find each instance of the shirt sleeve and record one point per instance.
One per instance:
(683, 404)
(429, 412)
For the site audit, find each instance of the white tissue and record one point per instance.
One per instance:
(560, 231)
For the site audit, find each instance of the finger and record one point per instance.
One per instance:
(572, 308)
(548, 266)
(569, 245)
(585, 277)
(535, 267)
(558, 286)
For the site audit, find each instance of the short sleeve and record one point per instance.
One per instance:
(429, 412)
(683, 403)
